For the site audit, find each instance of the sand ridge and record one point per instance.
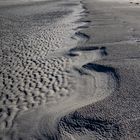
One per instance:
(88, 76)
(45, 77)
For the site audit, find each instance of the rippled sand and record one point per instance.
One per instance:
(43, 76)
(69, 70)
(32, 73)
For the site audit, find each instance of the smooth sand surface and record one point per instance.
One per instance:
(116, 27)
(70, 70)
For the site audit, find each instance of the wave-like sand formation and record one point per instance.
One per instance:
(92, 83)
(44, 78)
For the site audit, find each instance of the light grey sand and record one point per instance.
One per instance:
(69, 70)
(33, 67)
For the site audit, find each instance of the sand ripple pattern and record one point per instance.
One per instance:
(29, 78)
(44, 78)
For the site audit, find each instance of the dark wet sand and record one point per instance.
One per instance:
(116, 27)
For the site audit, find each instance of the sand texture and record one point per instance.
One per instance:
(69, 70)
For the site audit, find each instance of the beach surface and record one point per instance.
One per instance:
(69, 70)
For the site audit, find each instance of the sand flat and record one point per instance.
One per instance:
(69, 70)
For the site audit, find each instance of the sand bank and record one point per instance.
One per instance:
(70, 70)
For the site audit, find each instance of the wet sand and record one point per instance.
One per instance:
(69, 70)
(114, 25)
